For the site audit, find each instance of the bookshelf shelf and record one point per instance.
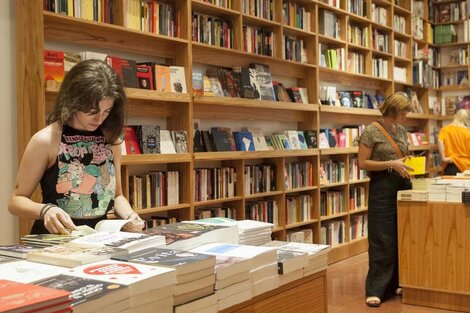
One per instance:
(246, 155)
(263, 194)
(358, 211)
(330, 185)
(249, 103)
(332, 151)
(359, 181)
(294, 31)
(139, 159)
(333, 216)
(304, 223)
(260, 22)
(343, 110)
(217, 201)
(289, 191)
(208, 8)
(181, 206)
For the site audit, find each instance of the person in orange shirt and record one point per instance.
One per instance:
(454, 144)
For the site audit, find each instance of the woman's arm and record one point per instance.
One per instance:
(35, 160)
(366, 163)
(442, 149)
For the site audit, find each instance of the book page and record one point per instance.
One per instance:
(110, 225)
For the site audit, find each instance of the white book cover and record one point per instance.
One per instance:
(130, 241)
(309, 248)
(259, 255)
(178, 80)
(258, 139)
(166, 144)
(28, 272)
(140, 278)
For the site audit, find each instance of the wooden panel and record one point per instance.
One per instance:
(443, 300)
(347, 250)
(30, 97)
(308, 295)
(434, 251)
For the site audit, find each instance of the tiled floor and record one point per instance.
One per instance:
(346, 290)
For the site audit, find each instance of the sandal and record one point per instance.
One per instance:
(373, 301)
(399, 291)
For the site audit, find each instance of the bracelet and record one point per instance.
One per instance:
(130, 215)
(44, 209)
(390, 167)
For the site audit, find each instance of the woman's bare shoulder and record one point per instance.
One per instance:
(47, 136)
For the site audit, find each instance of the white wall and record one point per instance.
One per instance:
(8, 139)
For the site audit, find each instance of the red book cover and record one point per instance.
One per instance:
(145, 77)
(16, 296)
(130, 138)
(54, 65)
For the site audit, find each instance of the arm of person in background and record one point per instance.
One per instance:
(364, 155)
(441, 146)
(122, 207)
(39, 152)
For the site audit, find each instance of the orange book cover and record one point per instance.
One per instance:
(162, 78)
(54, 65)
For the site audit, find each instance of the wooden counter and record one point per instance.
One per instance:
(306, 295)
(434, 254)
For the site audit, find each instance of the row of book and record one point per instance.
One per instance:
(150, 139)
(214, 183)
(213, 272)
(222, 139)
(144, 75)
(345, 137)
(155, 189)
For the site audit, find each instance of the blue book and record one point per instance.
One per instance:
(244, 141)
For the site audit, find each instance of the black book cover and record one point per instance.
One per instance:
(150, 138)
(221, 140)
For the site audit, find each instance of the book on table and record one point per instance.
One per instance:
(16, 251)
(21, 297)
(28, 272)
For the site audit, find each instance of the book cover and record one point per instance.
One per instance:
(166, 144)
(198, 82)
(140, 278)
(418, 163)
(244, 141)
(89, 295)
(357, 97)
(54, 65)
(70, 60)
(221, 140)
(150, 138)
(302, 140)
(265, 83)
(184, 262)
(289, 261)
(177, 79)
(180, 140)
(126, 69)
(246, 88)
(228, 131)
(294, 94)
(71, 255)
(16, 251)
(215, 87)
(20, 297)
(311, 138)
(144, 76)
(27, 272)
(162, 78)
(345, 99)
(207, 141)
(131, 141)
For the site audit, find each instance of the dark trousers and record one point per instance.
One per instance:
(382, 278)
(451, 169)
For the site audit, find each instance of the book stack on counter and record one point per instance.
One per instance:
(46, 240)
(454, 193)
(16, 251)
(412, 195)
(437, 193)
(188, 235)
(263, 269)
(74, 254)
(290, 265)
(317, 254)
(90, 295)
(232, 283)
(150, 288)
(23, 298)
(195, 275)
(250, 232)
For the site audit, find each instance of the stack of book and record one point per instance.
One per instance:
(454, 193)
(421, 183)
(16, 251)
(232, 284)
(207, 304)
(317, 254)
(150, 287)
(263, 271)
(46, 240)
(195, 275)
(188, 235)
(290, 265)
(412, 195)
(18, 297)
(437, 193)
(90, 295)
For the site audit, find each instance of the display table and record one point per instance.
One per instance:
(306, 295)
(434, 254)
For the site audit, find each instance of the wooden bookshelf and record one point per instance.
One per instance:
(36, 28)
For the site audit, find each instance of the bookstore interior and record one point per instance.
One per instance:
(240, 151)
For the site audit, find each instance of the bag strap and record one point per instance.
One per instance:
(389, 138)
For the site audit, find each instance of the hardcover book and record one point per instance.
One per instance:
(151, 138)
(126, 69)
(162, 78)
(244, 141)
(131, 141)
(221, 140)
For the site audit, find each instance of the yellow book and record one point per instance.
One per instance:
(418, 164)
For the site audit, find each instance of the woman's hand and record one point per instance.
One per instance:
(57, 221)
(401, 168)
(448, 160)
(135, 225)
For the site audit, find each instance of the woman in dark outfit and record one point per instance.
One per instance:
(383, 157)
